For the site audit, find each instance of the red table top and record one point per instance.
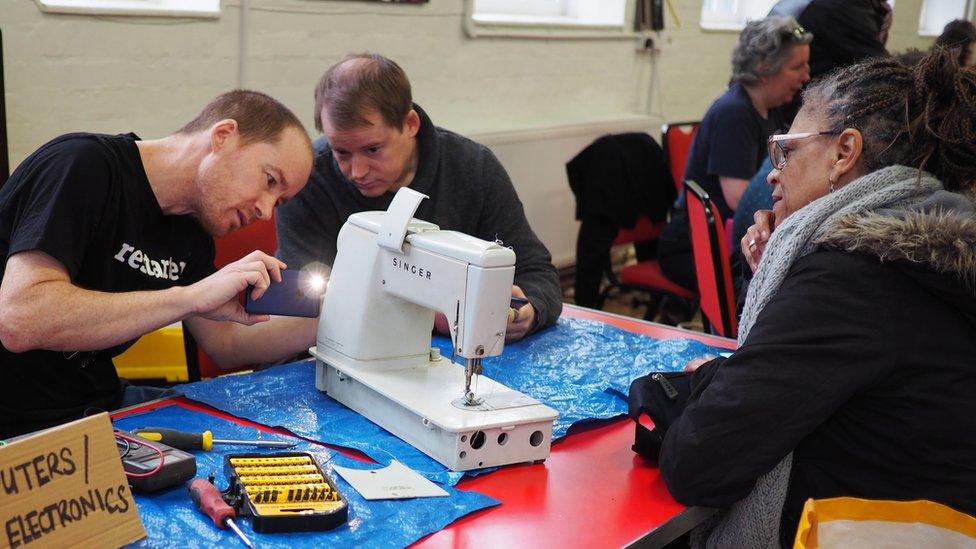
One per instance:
(593, 491)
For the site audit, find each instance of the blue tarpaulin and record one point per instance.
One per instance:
(574, 367)
(171, 520)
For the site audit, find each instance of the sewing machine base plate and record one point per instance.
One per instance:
(415, 404)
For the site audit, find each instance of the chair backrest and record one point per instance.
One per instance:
(676, 140)
(711, 250)
(259, 235)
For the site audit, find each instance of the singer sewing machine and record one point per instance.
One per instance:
(374, 354)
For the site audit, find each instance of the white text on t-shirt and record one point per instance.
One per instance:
(163, 268)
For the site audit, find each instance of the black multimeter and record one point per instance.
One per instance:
(140, 456)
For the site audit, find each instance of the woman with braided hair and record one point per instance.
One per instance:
(856, 369)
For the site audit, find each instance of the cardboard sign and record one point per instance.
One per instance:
(65, 487)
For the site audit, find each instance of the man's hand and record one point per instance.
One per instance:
(754, 242)
(215, 297)
(521, 320)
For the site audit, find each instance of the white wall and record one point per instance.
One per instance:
(536, 102)
(113, 73)
(536, 160)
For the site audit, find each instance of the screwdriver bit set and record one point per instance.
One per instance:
(284, 492)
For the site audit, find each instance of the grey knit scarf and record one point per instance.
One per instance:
(753, 522)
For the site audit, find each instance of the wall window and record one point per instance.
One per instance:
(936, 13)
(732, 14)
(548, 12)
(169, 8)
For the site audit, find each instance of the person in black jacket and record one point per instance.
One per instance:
(847, 31)
(857, 358)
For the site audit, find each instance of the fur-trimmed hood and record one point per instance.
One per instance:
(943, 241)
(938, 239)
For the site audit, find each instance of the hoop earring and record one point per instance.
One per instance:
(830, 185)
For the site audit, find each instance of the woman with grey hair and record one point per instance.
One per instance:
(769, 66)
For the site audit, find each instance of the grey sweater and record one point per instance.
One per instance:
(469, 192)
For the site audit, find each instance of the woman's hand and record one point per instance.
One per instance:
(753, 244)
(696, 363)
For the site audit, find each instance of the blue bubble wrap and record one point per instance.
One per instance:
(172, 520)
(578, 367)
(571, 366)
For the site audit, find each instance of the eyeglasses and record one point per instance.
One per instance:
(777, 148)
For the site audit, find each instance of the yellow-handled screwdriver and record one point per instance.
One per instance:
(183, 440)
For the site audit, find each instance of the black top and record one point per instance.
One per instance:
(469, 192)
(873, 395)
(730, 142)
(85, 200)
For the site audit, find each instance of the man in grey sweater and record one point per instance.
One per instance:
(376, 140)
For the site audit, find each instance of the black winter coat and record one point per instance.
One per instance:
(863, 364)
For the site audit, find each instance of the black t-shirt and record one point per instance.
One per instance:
(85, 200)
(730, 142)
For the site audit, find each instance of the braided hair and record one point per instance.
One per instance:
(922, 116)
(958, 35)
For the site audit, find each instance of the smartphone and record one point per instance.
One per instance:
(296, 295)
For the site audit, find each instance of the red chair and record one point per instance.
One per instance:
(710, 247)
(676, 141)
(645, 276)
(619, 181)
(259, 235)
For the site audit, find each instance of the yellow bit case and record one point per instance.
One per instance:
(284, 492)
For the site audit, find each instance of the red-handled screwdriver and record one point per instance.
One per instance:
(208, 500)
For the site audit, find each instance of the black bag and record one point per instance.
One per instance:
(660, 396)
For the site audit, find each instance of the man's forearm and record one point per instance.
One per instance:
(230, 344)
(59, 316)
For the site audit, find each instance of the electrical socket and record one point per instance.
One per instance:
(646, 44)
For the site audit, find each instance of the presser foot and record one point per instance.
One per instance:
(469, 400)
